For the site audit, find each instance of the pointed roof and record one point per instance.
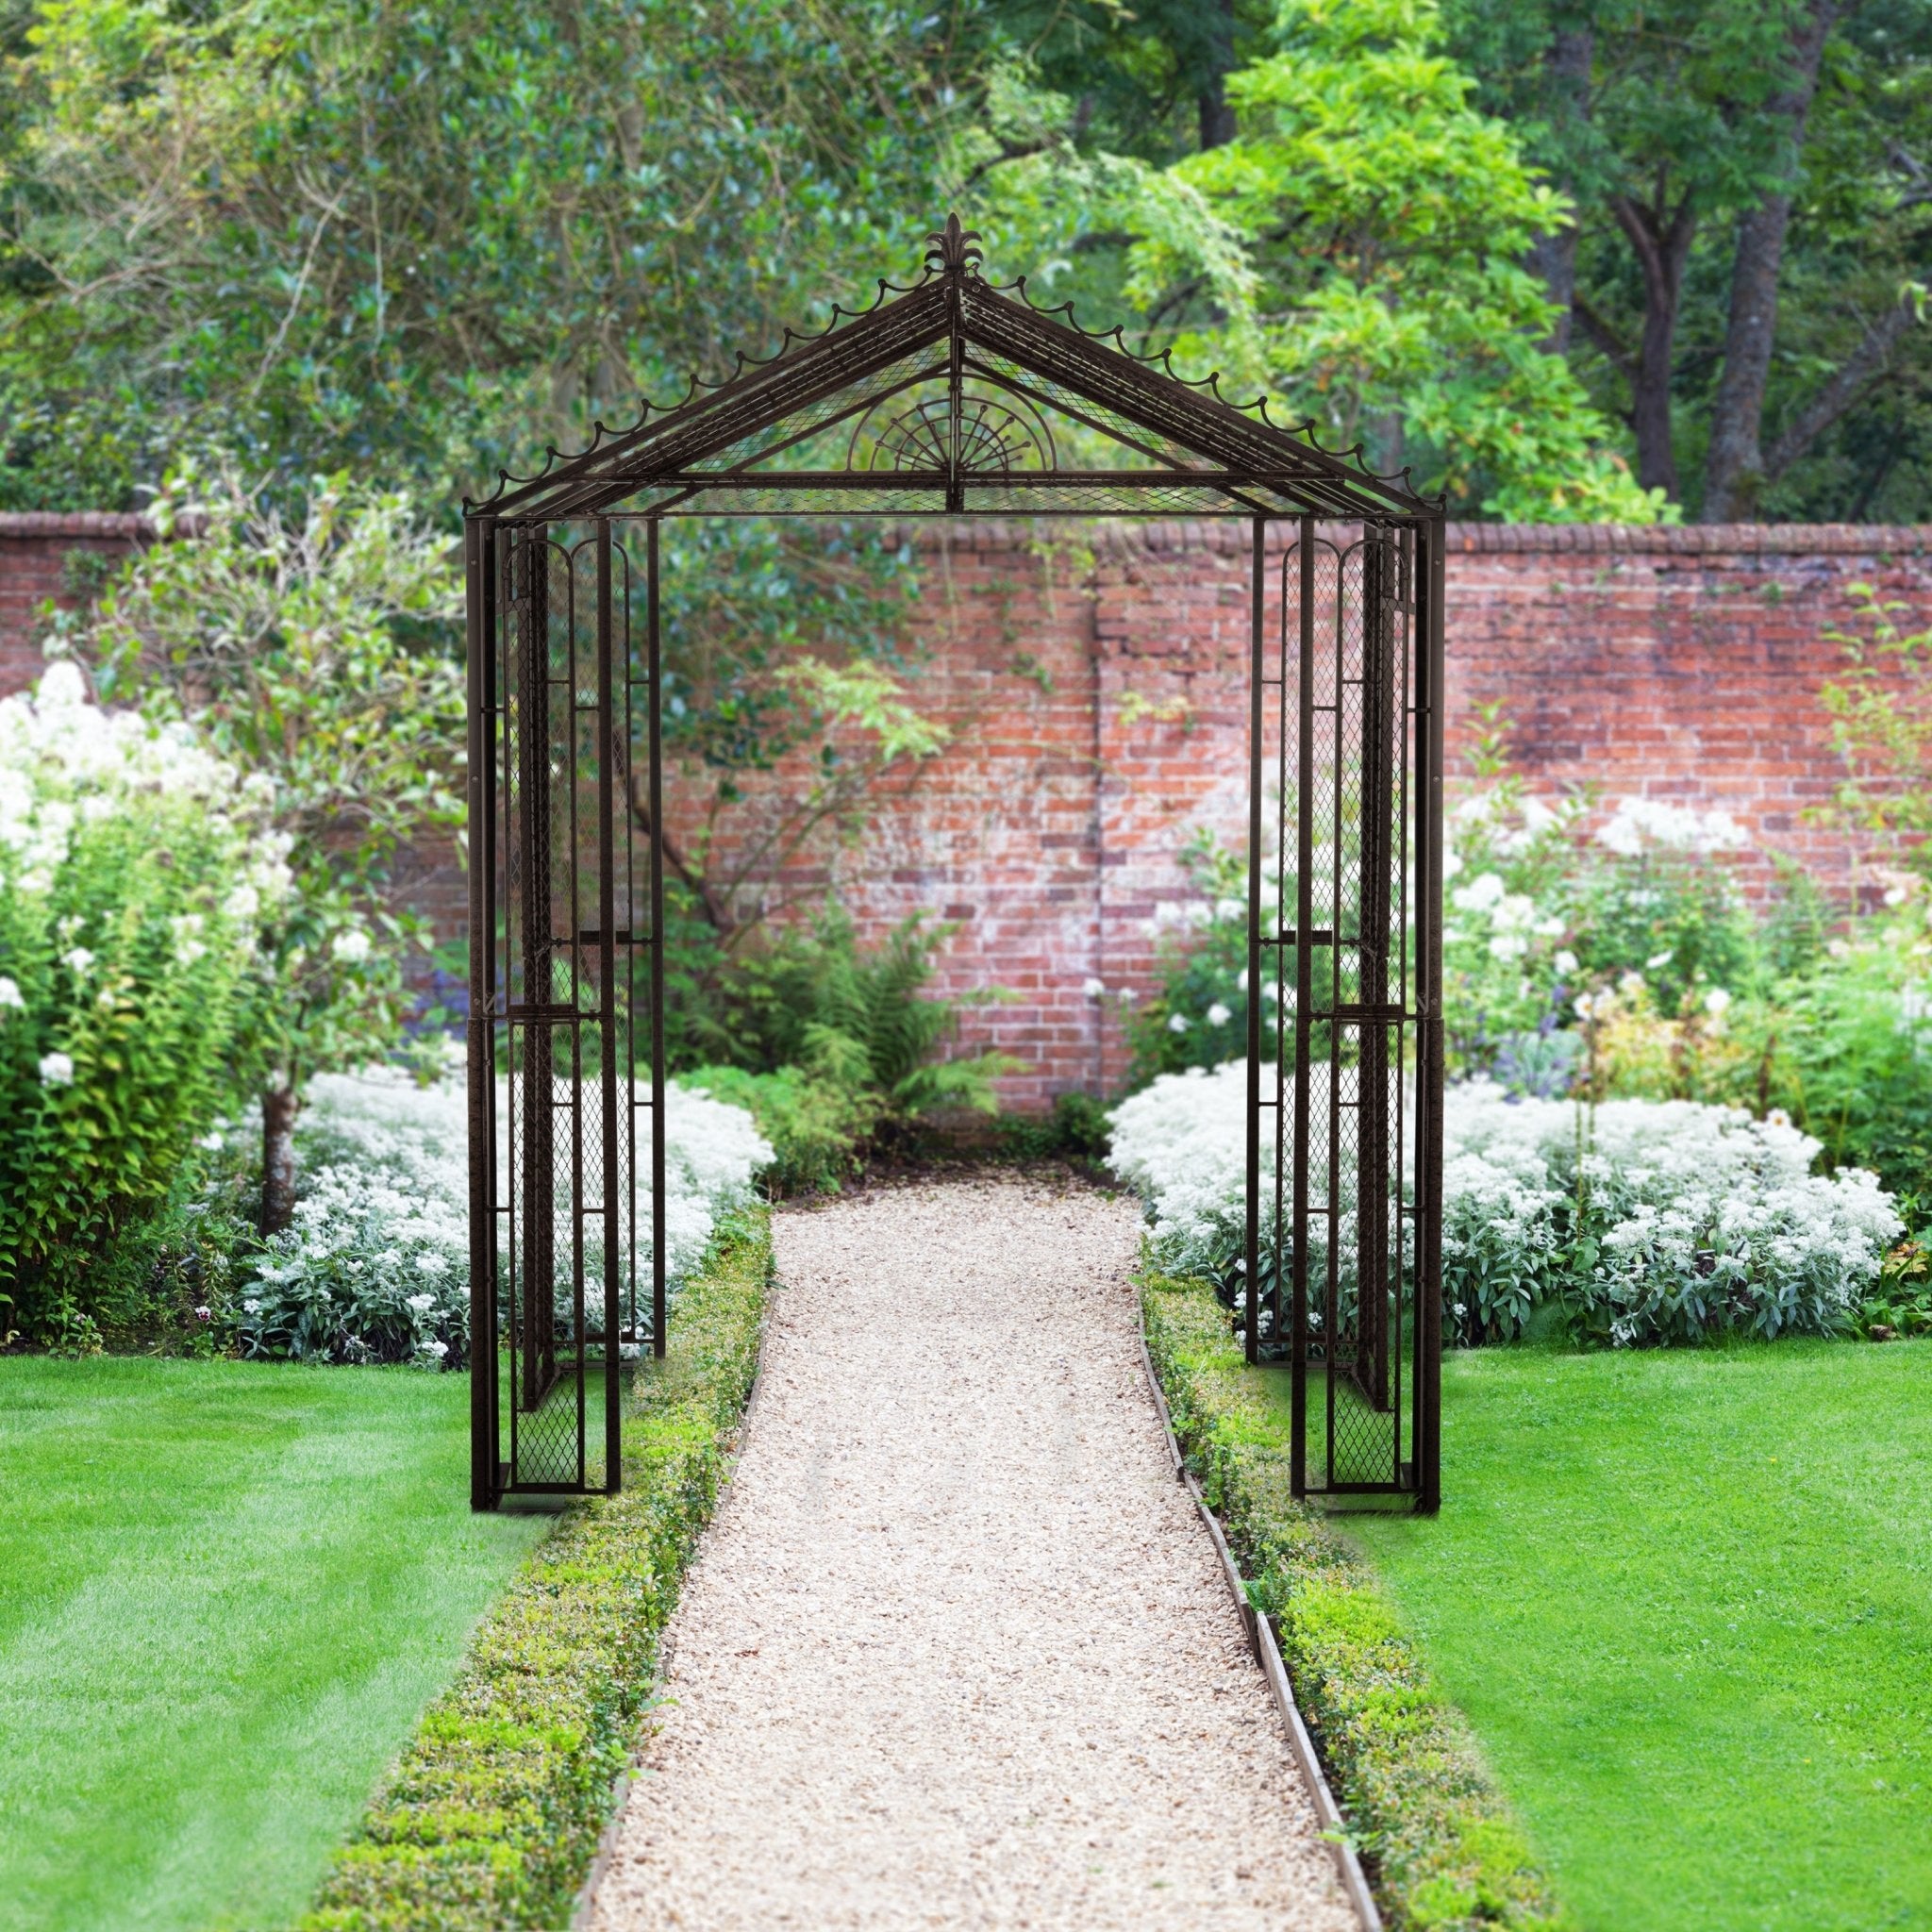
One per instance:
(956, 396)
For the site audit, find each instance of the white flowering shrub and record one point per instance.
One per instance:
(1654, 1221)
(133, 869)
(1198, 1015)
(376, 1267)
(1646, 1221)
(1538, 916)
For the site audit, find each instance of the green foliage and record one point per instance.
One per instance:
(1141, 74)
(1077, 1129)
(1637, 970)
(1901, 1301)
(313, 655)
(817, 1126)
(170, 1278)
(1672, 112)
(1356, 250)
(1880, 708)
(1198, 1014)
(858, 1020)
(129, 898)
(1851, 1050)
(492, 1816)
(1676, 915)
(1443, 1850)
(322, 233)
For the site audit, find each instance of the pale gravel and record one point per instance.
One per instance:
(956, 1652)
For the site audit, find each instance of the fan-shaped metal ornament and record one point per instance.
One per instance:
(985, 436)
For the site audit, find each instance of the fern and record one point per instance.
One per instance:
(862, 1022)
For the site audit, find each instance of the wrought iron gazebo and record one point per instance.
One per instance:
(955, 397)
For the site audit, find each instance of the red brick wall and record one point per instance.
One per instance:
(35, 549)
(1099, 703)
(1680, 664)
(1096, 685)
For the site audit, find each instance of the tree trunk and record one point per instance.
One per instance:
(1662, 243)
(1832, 398)
(277, 1160)
(1553, 259)
(1734, 469)
(1217, 116)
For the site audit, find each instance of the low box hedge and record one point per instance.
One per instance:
(492, 1816)
(1437, 1839)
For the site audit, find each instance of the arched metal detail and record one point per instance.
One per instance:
(947, 398)
(975, 431)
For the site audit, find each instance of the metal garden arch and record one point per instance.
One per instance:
(955, 397)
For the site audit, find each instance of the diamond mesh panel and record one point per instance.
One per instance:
(772, 499)
(1123, 497)
(801, 441)
(1335, 811)
(544, 1387)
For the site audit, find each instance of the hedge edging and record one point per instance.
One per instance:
(1443, 1850)
(494, 1814)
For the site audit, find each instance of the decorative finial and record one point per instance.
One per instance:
(951, 250)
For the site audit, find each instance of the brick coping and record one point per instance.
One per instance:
(128, 526)
(1471, 538)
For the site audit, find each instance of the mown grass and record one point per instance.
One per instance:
(492, 1816)
(1685, 1600)
(1441, 1845)
(226, 1589)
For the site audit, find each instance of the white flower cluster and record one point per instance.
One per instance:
(65, 761)
(382, 1230)
(1506, 825)
(1655, 1220)
(1649, 825)
(1513, 919)
(1181, 1144)
(1699, 1216)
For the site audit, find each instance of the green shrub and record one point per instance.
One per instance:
(833, 1046)
(816, 1127)
(1900, 1302)
(133, 871)
(1198, 1014)
(316, 653)
(860, 1019)
(1439, 1842)
(1078, 1128)
(1853, 1057)
(492, 1816)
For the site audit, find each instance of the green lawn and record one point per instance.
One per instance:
(225, 1591)
(1685, 1600)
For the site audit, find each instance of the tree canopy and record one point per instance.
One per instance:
(1568, 258)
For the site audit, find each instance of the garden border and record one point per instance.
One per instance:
(584, 1906)
(1267, 1653)
(1439, 1843)
(498, 1800)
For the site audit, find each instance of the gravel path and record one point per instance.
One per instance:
(956, 1652)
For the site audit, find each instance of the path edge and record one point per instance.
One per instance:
(1266, 1652)
(583, 1906)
